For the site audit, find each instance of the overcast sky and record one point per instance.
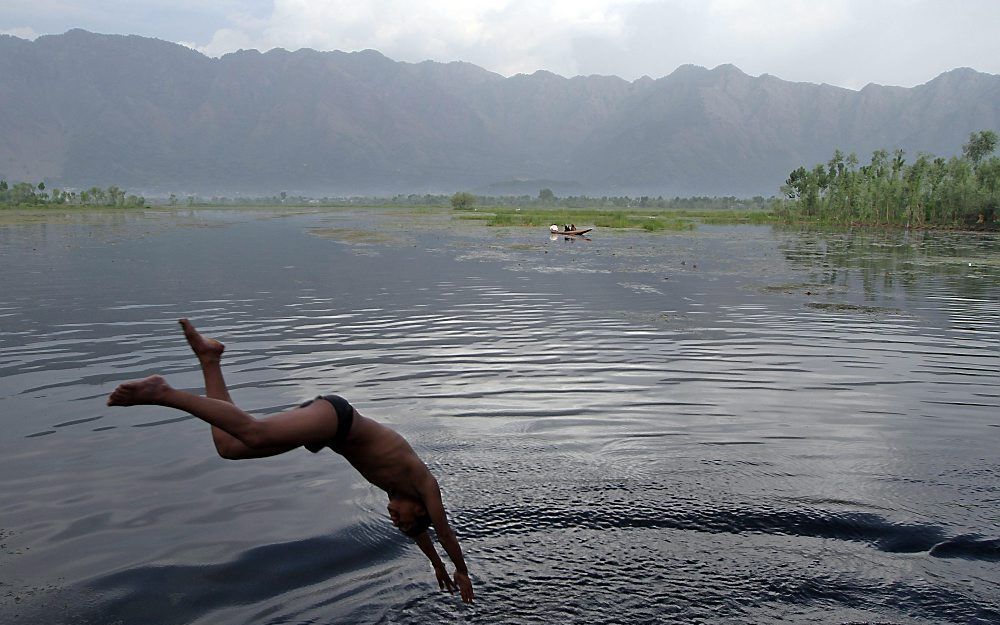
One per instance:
(841, 42)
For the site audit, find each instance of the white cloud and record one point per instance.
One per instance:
(228, 40)
(24, 32)
(842, 42)
(508, 36)
(781, 19)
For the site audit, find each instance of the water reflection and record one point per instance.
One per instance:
(967, 262)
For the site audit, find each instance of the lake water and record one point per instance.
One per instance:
(732, 425)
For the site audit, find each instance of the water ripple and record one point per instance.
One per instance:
(613, 445)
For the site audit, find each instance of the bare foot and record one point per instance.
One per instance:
(203, 347)
(145, 391)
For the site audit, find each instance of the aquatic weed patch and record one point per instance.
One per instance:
(347, 235)
(729, 217)
(967, 261)
(651, 221)
(807, 288)
(853, 308)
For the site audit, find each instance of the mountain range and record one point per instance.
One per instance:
(83, 109)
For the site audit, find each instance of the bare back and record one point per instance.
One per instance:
(383, 457)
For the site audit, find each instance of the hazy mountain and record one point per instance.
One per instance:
(81, 109)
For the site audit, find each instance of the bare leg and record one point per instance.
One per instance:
(154, 390)
(209, 354)
(236, 434)
(316, 423)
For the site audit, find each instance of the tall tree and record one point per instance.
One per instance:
(981, 144)
(888, 190)
(463, 200)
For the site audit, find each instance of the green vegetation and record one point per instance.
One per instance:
(647, 220)
(839, 307)
(463, 200)
(700, 204)
(644, 212)
(353, 236)
(546, 198)
(24, 194)
(961, 191)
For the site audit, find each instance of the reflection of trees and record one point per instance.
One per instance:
(883, 260)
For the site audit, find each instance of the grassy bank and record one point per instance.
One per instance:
(645, 219)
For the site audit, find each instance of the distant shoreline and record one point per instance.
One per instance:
(661, 220)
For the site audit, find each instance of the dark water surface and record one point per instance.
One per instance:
(731, 425)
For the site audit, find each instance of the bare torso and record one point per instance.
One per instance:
(383, 457)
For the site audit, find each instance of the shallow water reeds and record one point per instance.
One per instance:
(959, 192)
(656, 224)
(651, 221)
(725, 217)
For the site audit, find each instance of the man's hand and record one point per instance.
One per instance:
(443, 580)
(430, 494)
(464, 586)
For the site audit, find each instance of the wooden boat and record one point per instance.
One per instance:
(571, 233)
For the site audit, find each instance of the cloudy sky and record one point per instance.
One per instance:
(842, 42)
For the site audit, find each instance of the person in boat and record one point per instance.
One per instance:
(380, 454)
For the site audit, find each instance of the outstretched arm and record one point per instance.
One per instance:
(427, 546)
(431, 495)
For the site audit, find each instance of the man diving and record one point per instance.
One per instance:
(379, 453)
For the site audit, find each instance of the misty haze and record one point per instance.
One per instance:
(82, 109)
(459, 344)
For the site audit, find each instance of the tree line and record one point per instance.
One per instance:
(27, 194)
(930, 191)
(547, 199)
(466, 200)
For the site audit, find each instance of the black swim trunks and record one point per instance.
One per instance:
(345, 419)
